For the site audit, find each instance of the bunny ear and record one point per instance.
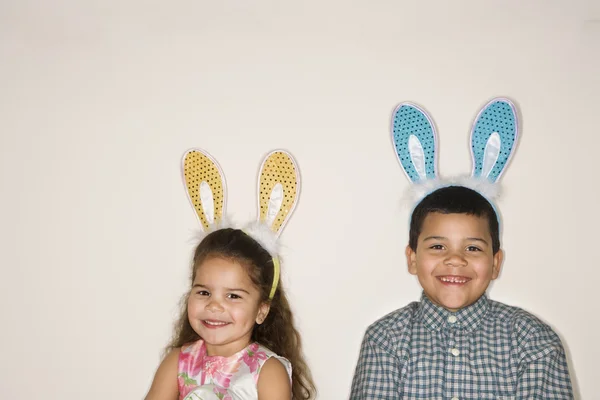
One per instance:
(278, 190)
(493, 139)
(415, 141)
(205, 186)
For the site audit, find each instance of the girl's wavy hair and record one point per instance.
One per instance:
(277, 332)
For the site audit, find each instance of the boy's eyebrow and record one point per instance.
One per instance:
(434, 238)
(476, 239)
(226, 289)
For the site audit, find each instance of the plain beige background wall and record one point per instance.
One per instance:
(99, 100)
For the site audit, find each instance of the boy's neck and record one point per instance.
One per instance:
(451, 310)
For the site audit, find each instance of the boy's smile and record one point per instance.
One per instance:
(454, 260)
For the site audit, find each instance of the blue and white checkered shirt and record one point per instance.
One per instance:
(488, 350)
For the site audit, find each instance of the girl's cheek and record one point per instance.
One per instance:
(194, 305)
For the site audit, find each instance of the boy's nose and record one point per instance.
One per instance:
(455, 260)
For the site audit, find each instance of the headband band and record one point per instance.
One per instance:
(276, 269)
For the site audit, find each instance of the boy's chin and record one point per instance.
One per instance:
(453, 303)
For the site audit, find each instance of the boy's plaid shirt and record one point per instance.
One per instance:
(488, 350)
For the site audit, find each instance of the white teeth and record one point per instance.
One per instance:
(453, 279)
(214, 323)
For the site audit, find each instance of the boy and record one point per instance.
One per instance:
(456, 343)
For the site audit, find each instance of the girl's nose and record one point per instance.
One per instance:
(214, 306)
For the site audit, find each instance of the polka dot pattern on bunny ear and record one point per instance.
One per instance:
(278, 167)
(498, 116)
(197, 168)
(410, 120)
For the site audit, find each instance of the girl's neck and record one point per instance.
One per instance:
(227, 349)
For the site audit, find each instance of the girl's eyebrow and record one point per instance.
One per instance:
(226, 289)
(199, 285)
(237, 290)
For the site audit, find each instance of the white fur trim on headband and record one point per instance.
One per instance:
(256, 230)
(223, 223)
(264, 236)
(417, 191)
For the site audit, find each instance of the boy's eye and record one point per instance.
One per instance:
(437, 247)
(473, 248)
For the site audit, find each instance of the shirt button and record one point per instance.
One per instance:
(455, 352)
(452, 319)
(455, 398)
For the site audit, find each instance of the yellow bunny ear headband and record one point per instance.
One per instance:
(278, 192)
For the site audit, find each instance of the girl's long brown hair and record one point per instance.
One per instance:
(277, 332)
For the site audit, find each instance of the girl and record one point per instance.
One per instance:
(235, 338)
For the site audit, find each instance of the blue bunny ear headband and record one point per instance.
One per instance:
(278, 192)
(493, 141)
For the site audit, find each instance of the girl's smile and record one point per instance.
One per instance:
(224, 306)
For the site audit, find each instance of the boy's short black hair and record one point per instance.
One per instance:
(454, 200)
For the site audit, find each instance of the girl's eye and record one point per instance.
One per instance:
(202, 293)
(233, 296)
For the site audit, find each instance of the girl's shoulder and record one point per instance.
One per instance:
(274, 377)
(259, 355)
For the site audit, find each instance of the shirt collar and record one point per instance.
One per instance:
(436, 317)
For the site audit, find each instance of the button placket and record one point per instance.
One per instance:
(454, 353)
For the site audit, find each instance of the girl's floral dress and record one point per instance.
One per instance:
(204, 377)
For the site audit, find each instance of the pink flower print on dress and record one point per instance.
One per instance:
(252, 357)
(188, 362)
(220, 369)
(189, 356)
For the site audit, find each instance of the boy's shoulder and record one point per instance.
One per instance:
(522, 323)
(508, 313)
(393, 325)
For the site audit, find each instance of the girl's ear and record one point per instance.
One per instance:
(263, 311)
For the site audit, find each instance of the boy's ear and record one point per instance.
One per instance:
(411, 260)
(263, 311)
(497, 264)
